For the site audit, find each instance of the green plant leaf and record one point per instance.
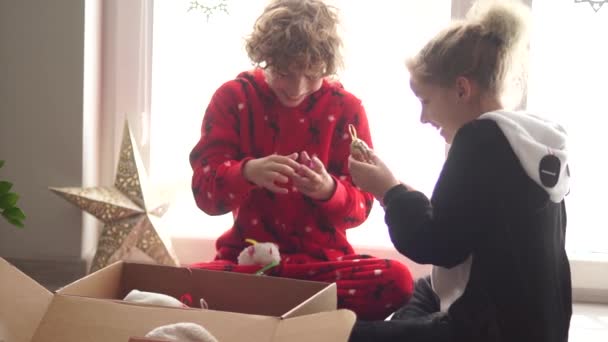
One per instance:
(8, 200)
(5, 187)
(14, 213)
(14, 222)
(8, 204)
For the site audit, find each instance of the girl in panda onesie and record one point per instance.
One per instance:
(495, 225)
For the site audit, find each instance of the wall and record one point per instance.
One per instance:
(41, 123)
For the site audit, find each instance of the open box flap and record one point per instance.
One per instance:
(77, 319)
(104, 283)
(324, 300)
(23, 303)
(223, 291)
(332, 326)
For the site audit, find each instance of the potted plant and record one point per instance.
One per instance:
(8, 203)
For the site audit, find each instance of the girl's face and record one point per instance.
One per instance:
(292, 87)
(442, 107)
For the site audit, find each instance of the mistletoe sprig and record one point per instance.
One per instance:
(209, 10)
(8, 203)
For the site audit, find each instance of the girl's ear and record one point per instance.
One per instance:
(464, 88)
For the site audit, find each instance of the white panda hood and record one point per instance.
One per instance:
(540, 146)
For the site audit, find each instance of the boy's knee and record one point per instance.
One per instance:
(402, 278)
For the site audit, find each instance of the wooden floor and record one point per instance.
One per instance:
(589, 323)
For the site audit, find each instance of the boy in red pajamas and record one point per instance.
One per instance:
(274, 151)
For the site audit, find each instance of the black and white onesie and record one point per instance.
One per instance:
(494, 230)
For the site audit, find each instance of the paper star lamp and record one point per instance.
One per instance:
(131, 219)
(595, 4)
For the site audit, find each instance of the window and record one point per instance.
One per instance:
(192, 57)
(567, 82)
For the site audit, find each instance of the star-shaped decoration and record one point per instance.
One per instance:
(595, 4)
(130, 218)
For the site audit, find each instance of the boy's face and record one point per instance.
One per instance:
(293, 86)
(440, 107)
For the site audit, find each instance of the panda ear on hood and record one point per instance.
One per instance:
(540, 146)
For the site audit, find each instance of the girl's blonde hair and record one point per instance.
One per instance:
(297, 33)
(490, 47)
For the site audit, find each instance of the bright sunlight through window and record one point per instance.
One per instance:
(193, 56)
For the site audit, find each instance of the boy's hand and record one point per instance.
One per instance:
(312, 179)
(268, 171)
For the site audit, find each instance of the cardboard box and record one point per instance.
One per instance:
(241, 307)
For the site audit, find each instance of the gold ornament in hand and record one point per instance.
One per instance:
(358, 148)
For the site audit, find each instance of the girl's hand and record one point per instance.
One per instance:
(374, 177)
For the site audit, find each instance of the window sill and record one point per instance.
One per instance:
(589, 277)
(191, 249)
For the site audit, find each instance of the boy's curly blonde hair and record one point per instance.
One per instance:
(297, 34)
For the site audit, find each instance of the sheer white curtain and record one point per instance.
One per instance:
(117, 87)
(192, 56)
(126, 77)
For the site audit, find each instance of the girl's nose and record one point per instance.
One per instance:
(423, 118)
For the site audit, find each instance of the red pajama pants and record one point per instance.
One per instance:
(372, 288)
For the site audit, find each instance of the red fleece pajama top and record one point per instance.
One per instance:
(245, 120)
